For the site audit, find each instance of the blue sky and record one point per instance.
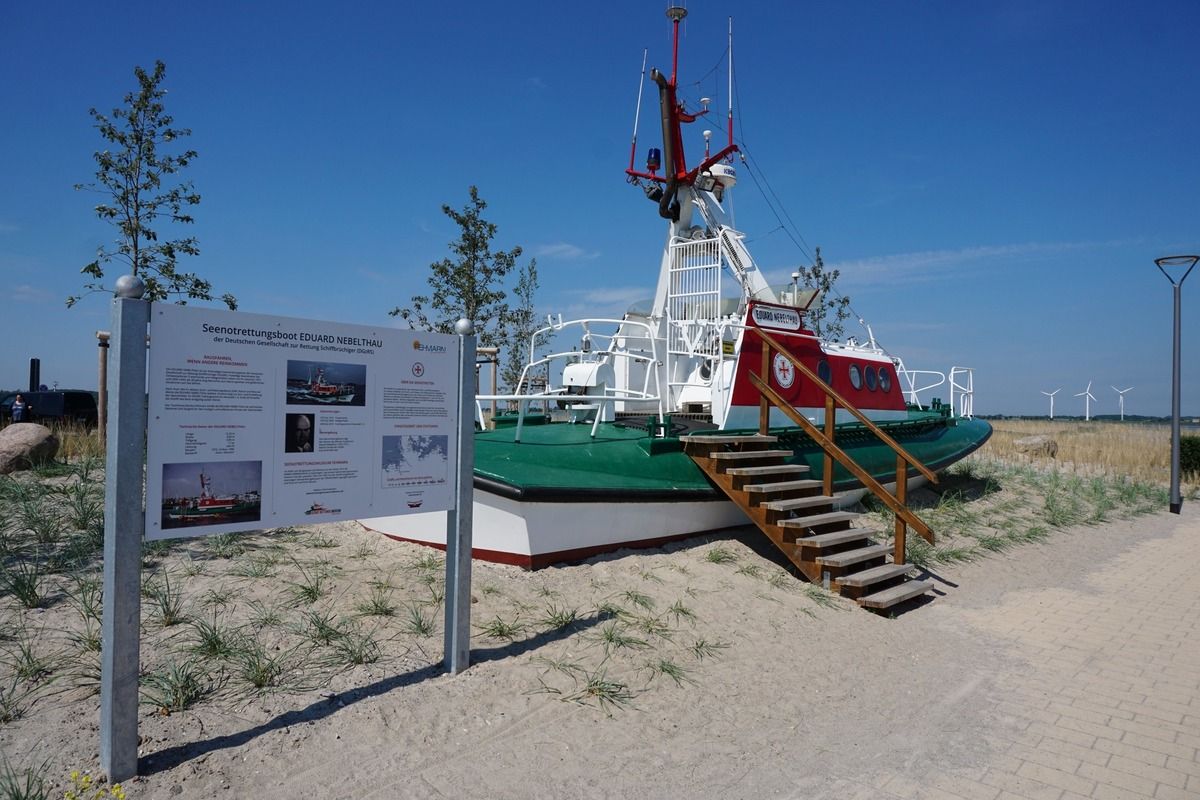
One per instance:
(993, 180)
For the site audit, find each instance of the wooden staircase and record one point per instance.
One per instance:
(800, 520)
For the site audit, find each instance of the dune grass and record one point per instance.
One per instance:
(228, 620)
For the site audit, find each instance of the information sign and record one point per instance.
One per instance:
(260, 421)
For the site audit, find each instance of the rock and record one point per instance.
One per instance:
(1040, 445)
(24, 444)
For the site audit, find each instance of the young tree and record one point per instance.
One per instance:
(826, 318)
(130, 179)
(521, 327)
(471, 284)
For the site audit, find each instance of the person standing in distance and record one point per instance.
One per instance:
(19, 409)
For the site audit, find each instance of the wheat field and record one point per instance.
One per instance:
(1137, 450)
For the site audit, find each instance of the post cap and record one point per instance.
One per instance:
(464, 327)
(129, 287)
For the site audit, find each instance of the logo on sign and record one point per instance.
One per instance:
(418, 369)
(785, 372)
(787, 319)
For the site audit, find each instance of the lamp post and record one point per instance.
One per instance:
(1184, 264)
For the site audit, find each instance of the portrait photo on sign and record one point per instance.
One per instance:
(299, 433)
(325, 383)
(211, 493)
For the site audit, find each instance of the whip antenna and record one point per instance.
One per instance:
(638, 112)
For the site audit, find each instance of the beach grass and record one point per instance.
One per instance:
(237, 622)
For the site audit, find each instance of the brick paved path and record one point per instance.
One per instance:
(1104, 701)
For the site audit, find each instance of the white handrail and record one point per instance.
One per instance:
(601, 348)
(965, 391)
(910, 376)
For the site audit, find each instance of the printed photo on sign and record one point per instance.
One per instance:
(324, 383)
(211, 493)
(299, 431)
(414, 460)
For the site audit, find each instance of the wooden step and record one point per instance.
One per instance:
(874, 575)
(777, 469)
(896, 594)
(749, 455)
(712, 438)
(822, 540)
(825, 546)
(799, 502)
(819, 520)
(781, 487)
(848, 557)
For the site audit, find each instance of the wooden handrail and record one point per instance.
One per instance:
(899, 509)
(896, 503)
(830, 392)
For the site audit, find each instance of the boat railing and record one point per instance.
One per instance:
(707, 343)
(596, 347)
(824, 436)
(962, 391)
(917, 381)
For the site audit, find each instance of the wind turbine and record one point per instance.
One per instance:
(1051, 396)
(1121, 399)
(1087, 402)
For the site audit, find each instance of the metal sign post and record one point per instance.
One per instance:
(1184, 263)
(123, 528)
(458, 519)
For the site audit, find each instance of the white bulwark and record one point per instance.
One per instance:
(260, 421)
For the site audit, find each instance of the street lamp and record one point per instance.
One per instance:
(1178, 264)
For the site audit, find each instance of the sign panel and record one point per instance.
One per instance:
(779, 317)
(259, 421)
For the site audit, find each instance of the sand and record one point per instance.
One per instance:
(781, 691)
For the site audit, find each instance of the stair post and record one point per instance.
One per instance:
(830, 419)
(764, 405)
(902, 496)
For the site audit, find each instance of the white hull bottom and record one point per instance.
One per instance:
(533, 535)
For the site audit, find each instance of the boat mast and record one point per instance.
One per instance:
(730, 92)
(675, 172)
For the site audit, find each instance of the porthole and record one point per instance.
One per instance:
(871, 380)
(885, 379)
(855, 376)
(823, 371)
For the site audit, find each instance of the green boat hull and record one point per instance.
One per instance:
(561, 462)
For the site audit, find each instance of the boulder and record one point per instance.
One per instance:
(1040, 445)
(24, 444)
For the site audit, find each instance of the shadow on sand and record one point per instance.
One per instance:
(328, 706)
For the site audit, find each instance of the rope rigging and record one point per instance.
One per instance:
(775, 204)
